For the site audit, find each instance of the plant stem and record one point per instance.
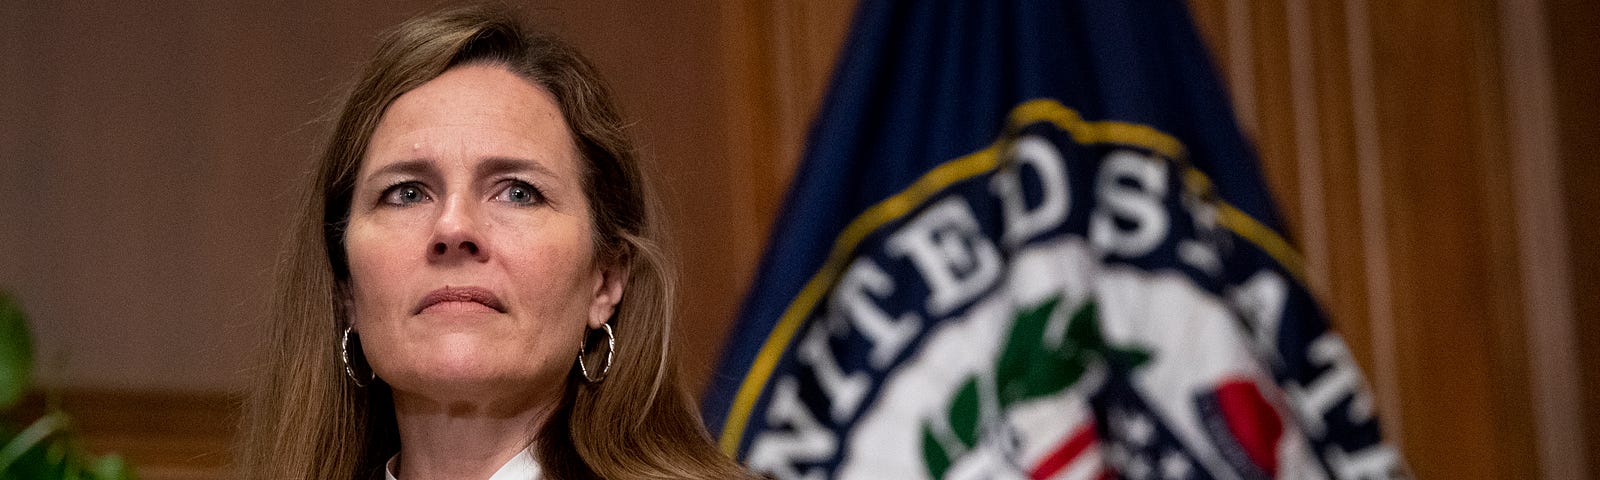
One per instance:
(29, 437)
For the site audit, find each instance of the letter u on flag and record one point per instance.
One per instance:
(1027, 240)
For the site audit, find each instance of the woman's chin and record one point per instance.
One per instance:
(456, 374)
(469, 364)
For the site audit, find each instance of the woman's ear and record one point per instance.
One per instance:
(610, 281)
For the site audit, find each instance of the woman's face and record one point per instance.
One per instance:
(472, 267)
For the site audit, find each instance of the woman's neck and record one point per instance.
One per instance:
(460, 438)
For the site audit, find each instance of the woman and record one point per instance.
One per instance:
(476, 287)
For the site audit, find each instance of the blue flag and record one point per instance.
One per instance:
(1028, 240)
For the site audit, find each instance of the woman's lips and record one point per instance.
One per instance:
(460, 299)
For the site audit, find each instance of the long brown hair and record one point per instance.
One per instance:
(305, 419)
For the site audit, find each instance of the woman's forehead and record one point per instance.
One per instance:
(470, 114)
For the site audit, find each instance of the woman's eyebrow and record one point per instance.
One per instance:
(498, 165)
(415, 167)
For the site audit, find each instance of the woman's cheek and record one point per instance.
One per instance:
(378, 265)
(551, 275)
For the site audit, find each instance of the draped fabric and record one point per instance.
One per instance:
(1027, 240)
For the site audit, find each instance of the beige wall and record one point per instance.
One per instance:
(147, 163)
(151, 153)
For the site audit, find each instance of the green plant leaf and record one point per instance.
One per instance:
(16, 352)
(111, 467)
(31, 439)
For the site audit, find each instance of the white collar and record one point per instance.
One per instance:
(521, 467)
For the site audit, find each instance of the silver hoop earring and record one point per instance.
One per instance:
(344, 353)
(611, 348)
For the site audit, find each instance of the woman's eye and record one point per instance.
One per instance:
(521, 193)
(404, 194)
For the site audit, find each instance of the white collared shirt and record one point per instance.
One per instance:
(521, 467)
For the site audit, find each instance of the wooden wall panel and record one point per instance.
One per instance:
(778, 57)
(1308, 154)
(163, 435)
(1574, 25)
(781, 57)
(1274, 108)
(1446, 129)
(1416, 208)
(1345, 296)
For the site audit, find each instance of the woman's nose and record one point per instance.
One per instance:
(456, 234)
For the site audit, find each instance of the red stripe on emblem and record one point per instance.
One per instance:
(1064, 454)
(1253, 422)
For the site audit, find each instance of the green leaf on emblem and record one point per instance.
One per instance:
(933, 454)
(1030, 366)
